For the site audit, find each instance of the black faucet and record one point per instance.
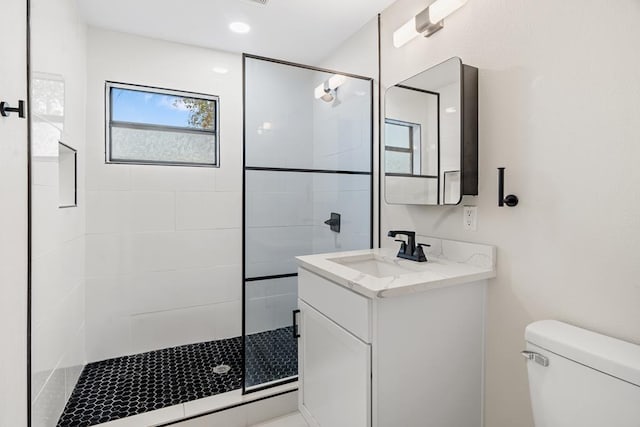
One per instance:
(409, 249)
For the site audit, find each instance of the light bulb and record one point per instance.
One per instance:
(327, 97)
(336, 80)
(319, 91)
(440, 9)
(428, 21)
(405, 34)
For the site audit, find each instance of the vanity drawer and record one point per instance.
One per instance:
(345, 307)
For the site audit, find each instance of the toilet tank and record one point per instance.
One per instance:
(591, 380)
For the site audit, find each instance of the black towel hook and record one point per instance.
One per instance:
(511, 200)
(5, 109)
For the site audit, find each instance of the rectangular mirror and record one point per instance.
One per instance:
(430, 145)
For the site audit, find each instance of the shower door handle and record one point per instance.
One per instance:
(296, 332)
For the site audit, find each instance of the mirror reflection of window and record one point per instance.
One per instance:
(402, 147)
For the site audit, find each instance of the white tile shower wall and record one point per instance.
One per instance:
(269, 303)
(58, 40)
(558, 108)
(281, 96)
(13, 221)
(279, 123)
(279, 221)
(342, 140)
(285, 210)
(349, 196)
(163, 243)
(359, 55)
(341, 128)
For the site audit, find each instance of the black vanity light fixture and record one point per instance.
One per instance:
(511, 200)
(427, 22)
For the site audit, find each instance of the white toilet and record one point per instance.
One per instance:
(578, 378)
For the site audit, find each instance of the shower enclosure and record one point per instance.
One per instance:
(307, 189)
(167, 275)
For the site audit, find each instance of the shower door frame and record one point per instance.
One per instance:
(245, 168)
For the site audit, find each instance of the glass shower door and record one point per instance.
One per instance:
(307, 189)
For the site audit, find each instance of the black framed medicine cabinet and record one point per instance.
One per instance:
(430, 149)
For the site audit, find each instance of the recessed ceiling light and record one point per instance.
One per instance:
(220, 70)
(239, 27)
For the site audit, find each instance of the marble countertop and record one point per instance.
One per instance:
(449, 263)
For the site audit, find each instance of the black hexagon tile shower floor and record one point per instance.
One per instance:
(130, 385)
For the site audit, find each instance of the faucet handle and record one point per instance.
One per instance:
(419, 253)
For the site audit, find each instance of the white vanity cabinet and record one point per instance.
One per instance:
(335, 368)
(412, 359)
(334, 354)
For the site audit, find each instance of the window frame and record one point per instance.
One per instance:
(148, 126)
(414, 128)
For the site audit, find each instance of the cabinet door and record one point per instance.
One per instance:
(335, 373)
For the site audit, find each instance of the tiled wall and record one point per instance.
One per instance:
(163, 243)
(359, 55)
(58, 244)
(13, 221)
(286, 210)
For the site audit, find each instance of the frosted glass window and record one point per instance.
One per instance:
(397, 162)
(160, 126)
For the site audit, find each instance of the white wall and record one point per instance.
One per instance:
(163, 243)
(558, 108)
(13, 220)
(58, 330)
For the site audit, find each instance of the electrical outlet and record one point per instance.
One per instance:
(470, 218)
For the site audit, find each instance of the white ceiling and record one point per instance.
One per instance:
(304, 31)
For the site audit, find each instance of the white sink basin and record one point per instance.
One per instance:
(373, 265)
(379, 273)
